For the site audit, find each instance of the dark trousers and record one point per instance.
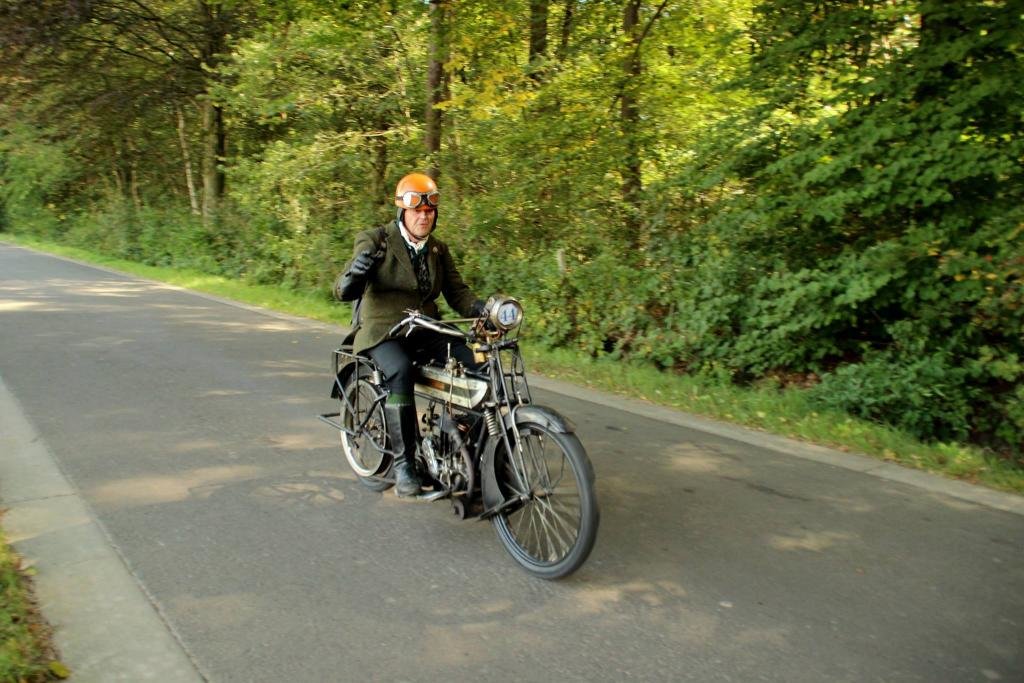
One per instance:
(395, 358)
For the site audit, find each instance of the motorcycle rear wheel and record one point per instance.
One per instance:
(552, 533)
(364, 451)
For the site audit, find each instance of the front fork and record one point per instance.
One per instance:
(494, 499)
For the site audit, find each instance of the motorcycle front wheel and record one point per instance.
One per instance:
(364, 436)
(551, 533)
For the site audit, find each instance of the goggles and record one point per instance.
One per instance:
(413, 200)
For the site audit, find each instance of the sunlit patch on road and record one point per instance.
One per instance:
(815, 541)
(843, 504)
(216, 393)
(296, 441)
(150, 490)
(7, 305)
(479, 642)
(694, 459)
(103, 342)
(250, 326)
(104, 289)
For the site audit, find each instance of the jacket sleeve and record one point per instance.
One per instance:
(456, 292)
(349, 287)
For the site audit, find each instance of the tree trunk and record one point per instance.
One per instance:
(115, 171)
(538, 36)
(380, 171)
(133, 181)
(435, 85)
(563, 44)
(186, 158)
(630, 117)
(214, 136)
(213, 157)
(938, 26)
(121, 169)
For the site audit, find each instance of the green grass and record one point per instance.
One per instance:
(25, 649)
(781, 411)
(786, 412)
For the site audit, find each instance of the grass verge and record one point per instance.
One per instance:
(26, 651)
(781, 411)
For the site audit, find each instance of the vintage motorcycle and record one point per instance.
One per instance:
(484, 444)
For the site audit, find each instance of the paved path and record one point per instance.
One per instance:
(185, 428)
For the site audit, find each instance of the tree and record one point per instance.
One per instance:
(216, 23)
(437, 88)
(538, 36)
(148, 58)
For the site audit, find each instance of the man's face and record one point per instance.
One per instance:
(419, 221)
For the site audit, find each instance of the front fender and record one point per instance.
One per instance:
(546, 417)
(493, 498)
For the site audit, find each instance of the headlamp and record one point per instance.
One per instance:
(504, 312)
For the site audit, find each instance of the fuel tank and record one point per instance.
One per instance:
(466, 392)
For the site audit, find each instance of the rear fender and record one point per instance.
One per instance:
(346, 371)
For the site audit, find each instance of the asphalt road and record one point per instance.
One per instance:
(189, 427)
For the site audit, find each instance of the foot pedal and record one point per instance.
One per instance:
(432, 496)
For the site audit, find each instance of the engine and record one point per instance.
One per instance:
(445, 453)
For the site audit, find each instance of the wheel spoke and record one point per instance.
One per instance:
(535, 532)
(548, 549)
(523, 525)
(538, 461)
(554, 534)
(559, 525)
(559, 518)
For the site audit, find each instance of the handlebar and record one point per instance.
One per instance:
(415, 319)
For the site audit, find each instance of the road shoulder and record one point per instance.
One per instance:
(105, 626)
(934, 483)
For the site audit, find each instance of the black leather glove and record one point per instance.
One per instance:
(361, 265)
(478, 309)
(351, 283)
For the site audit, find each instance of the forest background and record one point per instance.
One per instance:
(822, 195)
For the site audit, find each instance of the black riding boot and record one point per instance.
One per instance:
(401, 422)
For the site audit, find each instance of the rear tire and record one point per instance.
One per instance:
(365, 451)
(552, 533)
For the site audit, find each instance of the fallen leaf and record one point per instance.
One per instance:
(59, 670)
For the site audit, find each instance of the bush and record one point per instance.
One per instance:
(929, 396)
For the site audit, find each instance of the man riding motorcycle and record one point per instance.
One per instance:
(395, 267)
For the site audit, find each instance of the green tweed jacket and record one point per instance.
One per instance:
(391, 286)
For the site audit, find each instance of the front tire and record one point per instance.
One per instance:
(553, 531)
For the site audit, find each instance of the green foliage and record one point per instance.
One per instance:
(36, 174)
(329, 132)
(151, 235)
(882, 214)
(922, 394)
(24, 642)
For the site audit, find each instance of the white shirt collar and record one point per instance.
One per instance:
(416, 246)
